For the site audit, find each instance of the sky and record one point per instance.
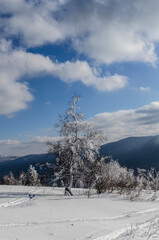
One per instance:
(106, 51)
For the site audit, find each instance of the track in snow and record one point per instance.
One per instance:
(143, 230)
(18, 201)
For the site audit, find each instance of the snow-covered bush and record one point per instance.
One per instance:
(111, 176)
(147, 180)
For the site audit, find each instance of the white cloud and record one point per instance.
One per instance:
(134, 122)
(145, 89)
(34, 21)
(17, 63)
(9, 142)
(45, 139)
(120, 31)
(107, 31)
(81, 71)
(37, 145)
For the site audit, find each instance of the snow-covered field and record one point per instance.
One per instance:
(50, 215)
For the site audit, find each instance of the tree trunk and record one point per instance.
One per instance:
(68, 192)
(69, 186)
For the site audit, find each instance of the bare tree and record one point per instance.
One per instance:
(78, 147)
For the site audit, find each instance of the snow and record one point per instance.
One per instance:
(51, 216)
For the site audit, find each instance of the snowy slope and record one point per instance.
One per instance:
(52, 216)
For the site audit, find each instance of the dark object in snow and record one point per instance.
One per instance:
(31, 196)
(68, 192)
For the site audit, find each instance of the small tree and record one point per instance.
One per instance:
(78, 147)
(32, 177)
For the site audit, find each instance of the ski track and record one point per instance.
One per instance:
(14, 202)
(124, 232)
(18, 201)
(128, 215)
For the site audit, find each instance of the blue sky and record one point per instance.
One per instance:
(104, 50)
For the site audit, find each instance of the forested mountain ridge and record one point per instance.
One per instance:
(135, 152)
(22, 163)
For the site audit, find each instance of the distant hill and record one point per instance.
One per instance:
(2, 158)
(135, 152)
(132, 152)
(22, 163)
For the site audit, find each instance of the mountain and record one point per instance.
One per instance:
(135, 152)
(132, 152)
(22, 163)
(2, 158)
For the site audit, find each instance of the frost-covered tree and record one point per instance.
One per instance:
(32, 177)
(78, 147)
(153, 180)
(22, 178)
(9, 179)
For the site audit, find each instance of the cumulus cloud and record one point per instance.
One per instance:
(34, 21)
(134, 122)
(107, 31)
(15, 64)
(81, 71)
